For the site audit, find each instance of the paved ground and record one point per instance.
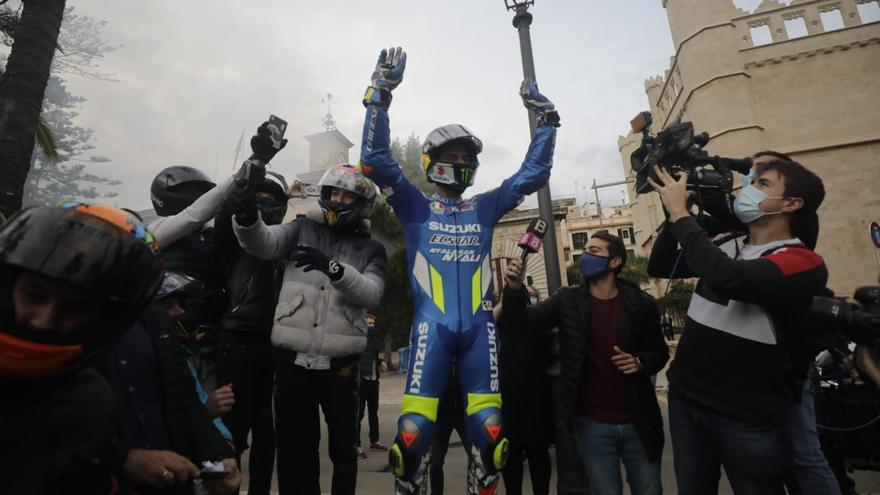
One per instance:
(374, 476)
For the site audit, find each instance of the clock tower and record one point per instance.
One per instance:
(328, 147)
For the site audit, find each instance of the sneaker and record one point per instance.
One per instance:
(378, 447)
(361, 454)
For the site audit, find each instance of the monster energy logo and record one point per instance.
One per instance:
(465, 175)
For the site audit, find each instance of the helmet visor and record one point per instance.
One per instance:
(442, 136)
(348, 179)
(78, 246)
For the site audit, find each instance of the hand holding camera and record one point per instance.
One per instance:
(673, 192)
(268, 140)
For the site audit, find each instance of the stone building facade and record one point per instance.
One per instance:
(798, 78)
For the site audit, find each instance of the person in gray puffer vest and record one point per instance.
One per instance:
(334, 274)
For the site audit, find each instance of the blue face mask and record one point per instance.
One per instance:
(747, 205)
(593, 266)
(370, 329)
(533, 300)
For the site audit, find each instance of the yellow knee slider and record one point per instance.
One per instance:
(499, 456)
(417, 405)
(395, 459)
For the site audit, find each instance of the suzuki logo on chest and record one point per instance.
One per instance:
(468, 228)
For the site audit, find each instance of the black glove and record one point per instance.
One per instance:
(313, 259)
(242, 204)
(262, 146)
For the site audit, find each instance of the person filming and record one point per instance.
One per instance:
(732, 379)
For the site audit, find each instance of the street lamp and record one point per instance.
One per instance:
(521, 21)
(515, 4)
(570, 476)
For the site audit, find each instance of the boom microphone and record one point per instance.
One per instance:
(533, 238)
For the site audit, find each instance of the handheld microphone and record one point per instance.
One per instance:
(533, 238)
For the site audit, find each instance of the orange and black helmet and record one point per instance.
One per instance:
(95, 247)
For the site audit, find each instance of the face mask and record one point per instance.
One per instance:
(20, 358)
(533, 301)
(271, 211)
(747, 205)
(749, 178)
(370, 329)
(593, 266)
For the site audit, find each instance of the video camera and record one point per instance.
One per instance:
(679, 148)
(859, 321)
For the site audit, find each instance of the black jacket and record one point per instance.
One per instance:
(369, 358)
(195, 255)
(252, 284)
(191, 431)
(57, 435)
(748, 305)
(525, 386)
(639, 334)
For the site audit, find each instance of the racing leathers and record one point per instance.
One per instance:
(448, 248)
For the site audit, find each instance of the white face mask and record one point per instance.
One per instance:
(747, 205)
(533, 300)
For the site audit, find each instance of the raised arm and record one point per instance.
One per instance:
(780, 277)
(267, 242)
(171, 229)
(376, 160)
(666, 260)
(534, 172)
(516, 315)
(253, 234)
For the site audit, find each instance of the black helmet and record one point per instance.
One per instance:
(455, 176)
(176, 187)
(273, 210)
(90, 246)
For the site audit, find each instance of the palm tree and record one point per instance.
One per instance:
(45, 139)
(21, 94)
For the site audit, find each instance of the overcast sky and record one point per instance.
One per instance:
(194, 74)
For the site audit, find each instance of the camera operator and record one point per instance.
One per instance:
(750, 303)
(809, 469)
(722, 218)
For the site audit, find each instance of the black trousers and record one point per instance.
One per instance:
(246, 361)
(539, 468)
(369, 400)
(298, 394)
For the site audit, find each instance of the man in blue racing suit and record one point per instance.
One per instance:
(448, 246)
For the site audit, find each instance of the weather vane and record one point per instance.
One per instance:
(329, 123)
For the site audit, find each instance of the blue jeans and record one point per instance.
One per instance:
(602, 447)
(753, 454)
(808, 464)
